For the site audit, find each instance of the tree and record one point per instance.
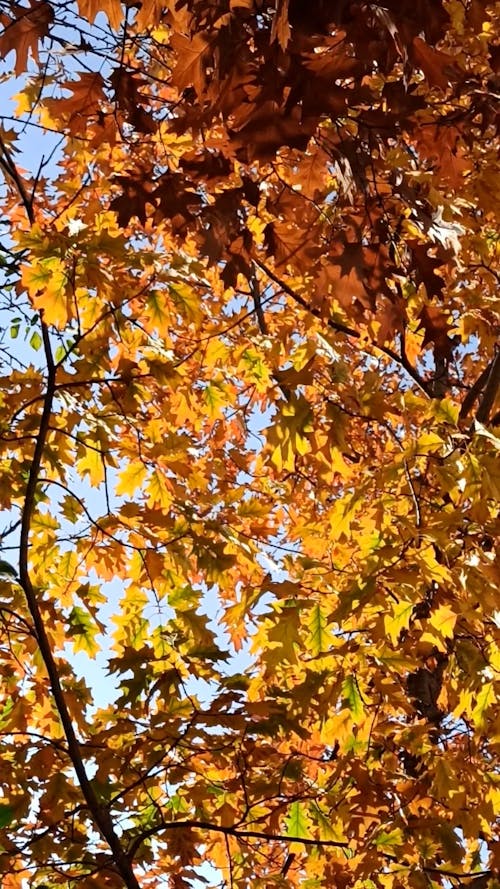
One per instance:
(248, 445)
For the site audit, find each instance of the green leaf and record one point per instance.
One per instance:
(352, 697)
(387, 840)
(35, 340)
(83, 629)
(297, 821)
(6, 815)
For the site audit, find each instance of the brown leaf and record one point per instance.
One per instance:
(312, 173)
(174, 201)
(337, 60)
(24, 31)
(192, 54)
(209, 164)
(130, 100)
(435, 324)
(425, 267)
(132, 202)
(281, 30)
(84, 103)
(89, 9)
(290, 244)
(269, 129)
(220, 223)
(438, 67)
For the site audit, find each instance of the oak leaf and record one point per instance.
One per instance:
(24, 29)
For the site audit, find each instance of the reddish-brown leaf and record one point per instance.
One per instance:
(24, 30)
(436, 325)
(438, 67)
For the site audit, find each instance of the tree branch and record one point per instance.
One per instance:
(99, 813)
(231, 832)
(490, 392)
(279, 838)
(257, 301)
(475, 391)
(401, 360)
(11, 171)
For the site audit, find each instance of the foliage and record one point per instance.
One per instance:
(249, 466)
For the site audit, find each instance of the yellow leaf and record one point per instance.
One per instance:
(430, 568)
(46, 282)
(92, 465)
(485, 699)
(444, 620)
(158, 490)
(388, 840)
(398, 620)
(427, 443)
(131, 478)
(215, 398)
(187, 302)
(337, 729)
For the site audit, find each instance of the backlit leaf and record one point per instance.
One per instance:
(352, 698)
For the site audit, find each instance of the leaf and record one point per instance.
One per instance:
(6, 815)
(297, 822)
(352, 698)
(192, 56)
(329, 829)
(158, 490)
(320, 639)
(7, 568)
(389, 839)
(482, 430)
(484, 701)
(281, 30)
(187, 301)
(436, 327)
(82, 629)
(131, 478)
(438, 67)
(444, 620)
(83, 105)
(47, 283)
(398, 620)
(92, 463)
(24, 30)
(35, 340)
(89, 9)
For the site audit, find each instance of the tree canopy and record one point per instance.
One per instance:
(249, 444)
